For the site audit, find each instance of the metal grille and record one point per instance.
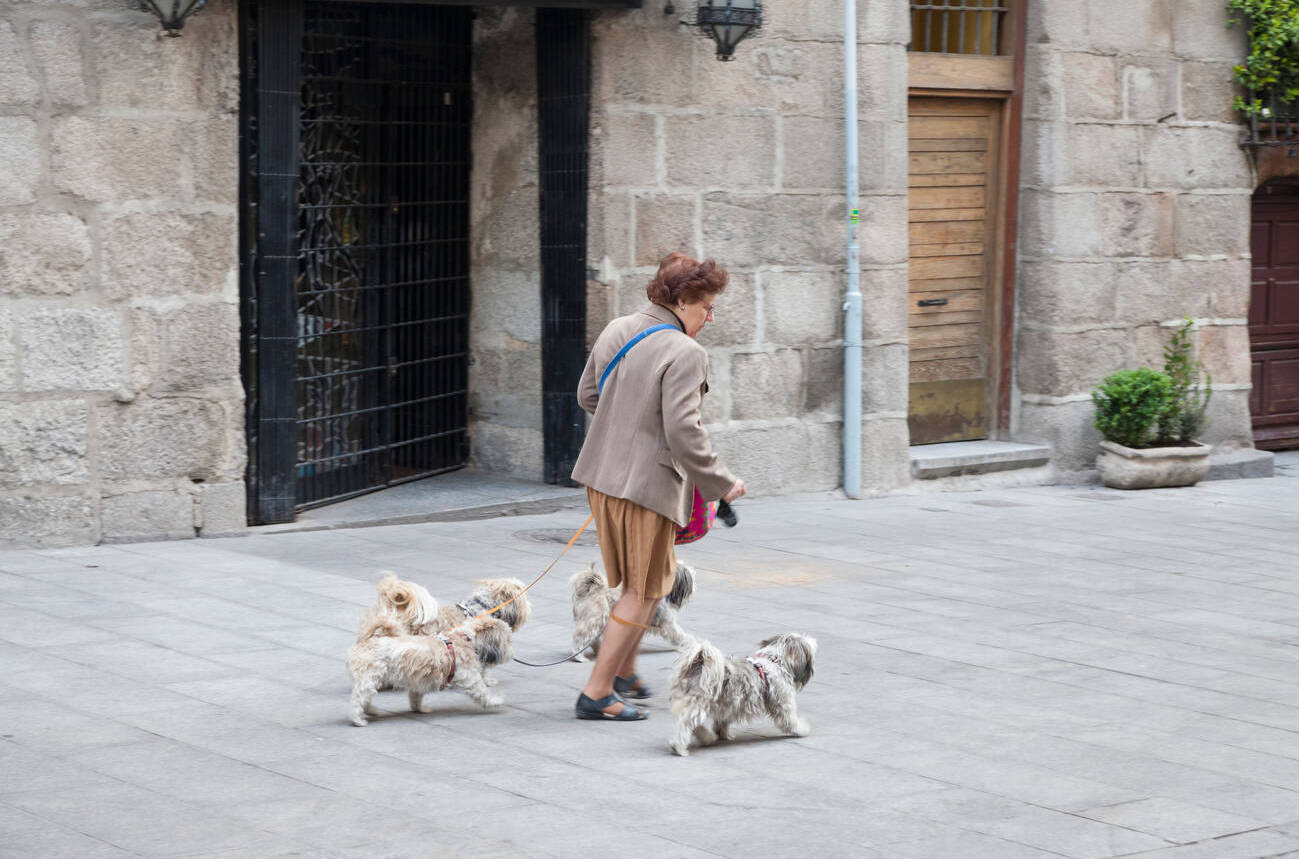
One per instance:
(563, 97)
(958, 26)
(382, 286)
(1278, 127)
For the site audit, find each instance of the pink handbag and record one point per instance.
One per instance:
(703, 514)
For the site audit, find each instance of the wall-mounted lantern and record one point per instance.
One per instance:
(172, 13)
(728, 22)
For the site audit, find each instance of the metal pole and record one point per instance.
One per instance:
(852, 299)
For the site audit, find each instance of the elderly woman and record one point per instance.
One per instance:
(645, 450)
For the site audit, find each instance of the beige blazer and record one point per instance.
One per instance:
(646, 441)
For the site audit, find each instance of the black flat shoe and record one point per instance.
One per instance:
(586, 708)
(631, 687)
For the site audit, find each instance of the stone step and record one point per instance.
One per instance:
(932, 461)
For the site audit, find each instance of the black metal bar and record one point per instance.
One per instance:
(563, 100)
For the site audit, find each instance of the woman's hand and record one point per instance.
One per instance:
(734, 492)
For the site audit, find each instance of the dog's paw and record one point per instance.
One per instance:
(802, 728)
(678, 749)
(581, 657)
(493, 701)
(491, 681)
(705, 736)
(360, 721)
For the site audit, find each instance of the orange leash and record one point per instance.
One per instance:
(571, 541)
(613, 616)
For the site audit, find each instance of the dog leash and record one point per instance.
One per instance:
(567, 658)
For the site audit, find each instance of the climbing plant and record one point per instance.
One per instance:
(1272, 66)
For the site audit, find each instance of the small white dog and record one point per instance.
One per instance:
(423, 616)
(708, 687)
(386, 657)
(593, 599)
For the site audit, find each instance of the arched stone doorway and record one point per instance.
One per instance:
(1274, 315)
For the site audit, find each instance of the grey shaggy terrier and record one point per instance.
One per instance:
(593, 599)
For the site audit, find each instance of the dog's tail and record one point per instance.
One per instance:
(394, 593)
(702, 666)
(375, 623)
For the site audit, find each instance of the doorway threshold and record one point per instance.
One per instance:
(453, 497)
(932, 461)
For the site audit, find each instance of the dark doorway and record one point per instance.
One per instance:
(1274, 315)
(356, 280)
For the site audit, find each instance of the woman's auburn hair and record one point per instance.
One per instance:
(683, 279)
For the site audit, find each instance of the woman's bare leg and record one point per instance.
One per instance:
(618, 646)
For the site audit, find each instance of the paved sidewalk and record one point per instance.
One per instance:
(1048, 671)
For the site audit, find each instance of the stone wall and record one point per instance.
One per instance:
(743, 161)
(505, 323)
(120, 400)
(1135, 210)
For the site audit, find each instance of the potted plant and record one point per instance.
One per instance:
(1148, 420)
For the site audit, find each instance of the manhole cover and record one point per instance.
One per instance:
(557, 535)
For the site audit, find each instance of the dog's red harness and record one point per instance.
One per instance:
(451, 650)
(762, 675)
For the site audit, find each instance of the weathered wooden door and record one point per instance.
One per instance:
(1274, 316)
(953, 195)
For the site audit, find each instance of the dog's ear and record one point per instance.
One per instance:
(393, 591)
(683, 586)
(801, 650)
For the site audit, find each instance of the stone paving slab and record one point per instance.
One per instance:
(1019, 672)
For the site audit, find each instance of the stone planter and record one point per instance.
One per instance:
(1150, 468)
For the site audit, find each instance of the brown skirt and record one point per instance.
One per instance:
(636, 544)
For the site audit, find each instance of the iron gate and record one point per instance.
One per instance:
(376, 269)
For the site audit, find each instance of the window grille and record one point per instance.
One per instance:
(958, 26)
(1279, 124)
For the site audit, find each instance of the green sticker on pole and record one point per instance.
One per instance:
(852, 217)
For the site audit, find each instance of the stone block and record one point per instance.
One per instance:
(1195, 158)
(754, 229)
(885, 379)
(1124, 26)
(802, 308)
(1044, 153)
(735, 316)
(1058, 364)
(222, 509)
(1149, 89)
(123, 55)
(145, 340)
(1200, 31)
(783, 457)
(712, 151)
(610, 217)
(883, 232)
(57, 49)
(42, 443)
(200, 347)
(822, 20)
(653, 65)
(1148, 342)
(161, 438)
(47, 253)
(72, 349)
(17, 84)
(766, 385)
(116, 158)
(1224, 351)
(814, 154)
(1228, 282)
(1207, 91)
(516, 451)
(716, 405)
(599, 310)
(506, 306)
(1064, 225)
(626, 148)
(8, 353)
(1044, 84)
(20, 153)
(37, 522)
(886, 303)
(1227, 421)
(824, 394)
(1091, 86)
(1104, 155)
(665, 224)
(885, 460)
(162, 514)
(1066, 427)
(169, 254)
(1236, 463)
(1067, 293)
(791, 77)
(216, 32)
(1060, 25)
(505, 385)
(1136, 224)
(882, 82)
(1212, 224)
(213, 154)
(1158, 291)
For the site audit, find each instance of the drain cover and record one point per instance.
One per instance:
(556, 535)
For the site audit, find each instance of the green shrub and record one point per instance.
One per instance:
(1129, 405)
(1190, 399)
(1272, 66)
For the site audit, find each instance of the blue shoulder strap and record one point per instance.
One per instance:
(627, 348)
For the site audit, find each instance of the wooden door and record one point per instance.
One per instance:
(952, 201)
(1274, 316)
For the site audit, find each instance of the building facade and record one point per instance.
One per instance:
(313, 248)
